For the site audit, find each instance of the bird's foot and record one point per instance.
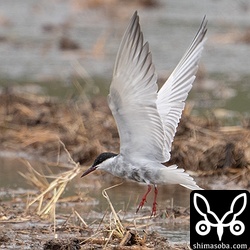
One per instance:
(143, 199)
(154, 203)
(154, 209)
(141, 204)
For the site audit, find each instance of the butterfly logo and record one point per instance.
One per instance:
(203, 227)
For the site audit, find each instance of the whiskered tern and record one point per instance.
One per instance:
(147, 118)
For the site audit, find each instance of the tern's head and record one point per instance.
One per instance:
(101, 162)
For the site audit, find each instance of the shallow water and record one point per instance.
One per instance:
(30, 50)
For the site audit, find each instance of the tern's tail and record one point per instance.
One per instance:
(175, 175)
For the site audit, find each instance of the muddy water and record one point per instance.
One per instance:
(93, 206)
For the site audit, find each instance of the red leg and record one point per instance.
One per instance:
(144, 199)
(154, 203)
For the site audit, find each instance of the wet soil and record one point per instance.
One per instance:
(22, 229)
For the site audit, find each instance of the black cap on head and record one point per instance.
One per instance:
(99, 159)
(102, 157)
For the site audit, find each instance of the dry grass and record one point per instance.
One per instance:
(53, 189)
(36, 125)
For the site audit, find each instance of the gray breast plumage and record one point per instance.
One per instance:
(128, 170)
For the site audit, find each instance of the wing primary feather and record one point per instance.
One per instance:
(172, 95)
(130, 31)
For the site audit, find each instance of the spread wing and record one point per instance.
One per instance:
(172, 95)
(132, 98)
